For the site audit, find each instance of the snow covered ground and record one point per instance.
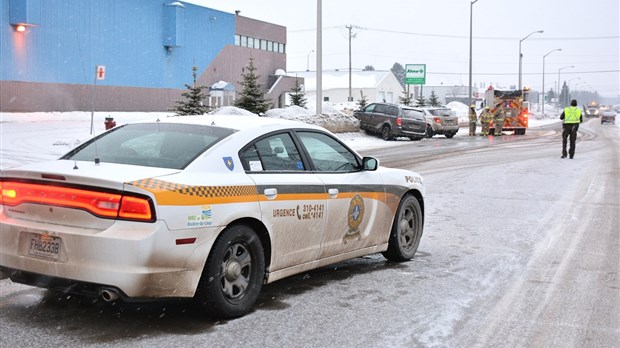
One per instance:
(41, 134)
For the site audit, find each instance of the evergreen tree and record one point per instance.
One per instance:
(399, 71)
(298, 97)
(406, 98)
(362, 102)
(193, 97)
(550, 95)
(252, 97)
(369, 68)
(564, 95)
(433, 100)
(421, 101)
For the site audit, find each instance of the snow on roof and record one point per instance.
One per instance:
(340, 79)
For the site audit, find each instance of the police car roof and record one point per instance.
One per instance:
(238, 122)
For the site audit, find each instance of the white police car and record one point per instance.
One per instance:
(209, 207)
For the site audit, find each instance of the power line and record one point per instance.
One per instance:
(464, 37)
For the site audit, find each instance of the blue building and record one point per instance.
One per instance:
(129, 55)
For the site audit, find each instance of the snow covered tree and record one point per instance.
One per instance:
(193, 97)
(362, 102)
(298, 97)
(252, 97)
(433, 100)
(369, 68)
(405, 99)
(399, 71)
(421, 101)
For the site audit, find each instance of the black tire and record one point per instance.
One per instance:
(450, 135)
(429, 131)
(386, 133)
(233, 275)
(406, 230)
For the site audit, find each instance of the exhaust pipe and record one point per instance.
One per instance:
(109, 295)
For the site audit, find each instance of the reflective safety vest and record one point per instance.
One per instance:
(572, 114)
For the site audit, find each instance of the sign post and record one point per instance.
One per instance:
(415, 74)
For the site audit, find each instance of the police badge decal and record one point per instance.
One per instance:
(356, 214)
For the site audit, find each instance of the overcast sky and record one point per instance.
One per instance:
(436, 33)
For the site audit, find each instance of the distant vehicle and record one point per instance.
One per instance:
(440, 120)
(209, 208)
(591, 110)
(392, 120)
(516, 108)
(608, 117)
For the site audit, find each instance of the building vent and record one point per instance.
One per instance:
(173, 25)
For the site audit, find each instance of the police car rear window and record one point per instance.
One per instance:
(162, 145)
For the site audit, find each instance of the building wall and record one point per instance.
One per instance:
(51, 66)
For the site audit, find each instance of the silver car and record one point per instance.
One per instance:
(440, 120)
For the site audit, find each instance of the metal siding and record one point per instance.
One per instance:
(124, 35)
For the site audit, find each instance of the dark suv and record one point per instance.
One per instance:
(391, 121)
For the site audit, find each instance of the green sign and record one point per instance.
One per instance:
(415, 74)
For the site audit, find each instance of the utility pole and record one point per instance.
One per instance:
(351, 36)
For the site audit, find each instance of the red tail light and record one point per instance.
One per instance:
(437, 119)
(102, 204)
(399, 121)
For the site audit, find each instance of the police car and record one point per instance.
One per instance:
(203, 207)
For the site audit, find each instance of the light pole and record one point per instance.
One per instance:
(471, 9)
(308, 61)
(559, 83)
(521, 55)
(543, 81)
(569, 90)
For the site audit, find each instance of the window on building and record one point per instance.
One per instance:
(270, 46)
(244, 41)
(237, 40)
(263, 45)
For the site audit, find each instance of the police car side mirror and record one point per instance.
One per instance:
(370, 163)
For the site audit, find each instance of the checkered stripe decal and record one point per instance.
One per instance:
(196, 191)
(219, 191)
(158, 185)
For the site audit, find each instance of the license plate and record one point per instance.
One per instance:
(44, 246)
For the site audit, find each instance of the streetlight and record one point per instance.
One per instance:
(308, 61)
(521, 55)
(569, 90)
(543, 88)
(560, 69)
(471, 8)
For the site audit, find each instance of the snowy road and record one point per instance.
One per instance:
(520, 248)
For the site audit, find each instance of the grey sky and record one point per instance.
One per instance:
(436, 33)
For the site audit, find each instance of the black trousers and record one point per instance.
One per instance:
(570, 130)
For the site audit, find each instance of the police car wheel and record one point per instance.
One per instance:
(233, 275)
(406, 230)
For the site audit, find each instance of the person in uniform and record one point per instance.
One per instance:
(572, 118)
(473, 119)
(499, 121)
(485, 120)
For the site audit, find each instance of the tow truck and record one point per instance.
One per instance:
(516, 108)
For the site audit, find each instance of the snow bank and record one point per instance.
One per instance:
(331, 118)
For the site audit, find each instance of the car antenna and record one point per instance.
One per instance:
(75, 166)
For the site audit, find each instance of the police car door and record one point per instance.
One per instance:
(357, 216)
(292, 200)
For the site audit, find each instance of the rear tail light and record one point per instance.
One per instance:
(437, 119)
(101, 204)
(399, 121)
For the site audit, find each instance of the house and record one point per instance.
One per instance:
(375, 85)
